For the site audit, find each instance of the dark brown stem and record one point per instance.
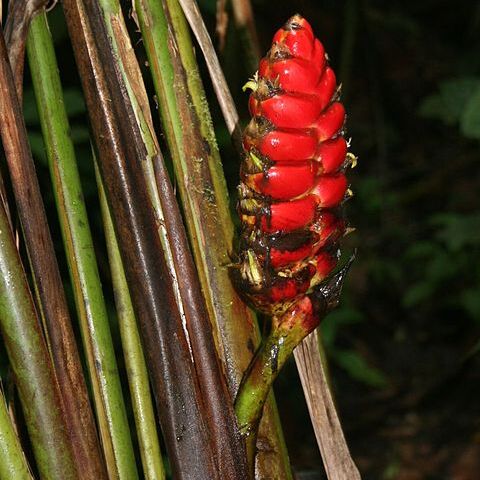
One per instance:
(198, 425)
(213, 386)
(16, 30)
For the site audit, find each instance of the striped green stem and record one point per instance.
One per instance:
(287, 332)
(13, 463)
(31, 365)
(92, 312)
(133, 353)
(187, 124)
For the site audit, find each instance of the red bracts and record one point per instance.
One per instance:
(293, 180)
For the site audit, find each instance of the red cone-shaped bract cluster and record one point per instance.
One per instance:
(293, 180)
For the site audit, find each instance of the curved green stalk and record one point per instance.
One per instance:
(190, 136)
(132, 350)
(288, 331)
(31, 365)
(13, 463)
(285, 335)
(92, 312)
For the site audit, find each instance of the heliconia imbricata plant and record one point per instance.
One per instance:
(292, 190)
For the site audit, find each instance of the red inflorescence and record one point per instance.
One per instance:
(293, 180)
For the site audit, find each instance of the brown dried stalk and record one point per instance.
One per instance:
(194, 407)
(328, 430)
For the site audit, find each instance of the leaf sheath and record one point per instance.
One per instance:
(187, 417)
(30, 362)
(76, 236)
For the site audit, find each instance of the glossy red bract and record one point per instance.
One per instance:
(293, 173)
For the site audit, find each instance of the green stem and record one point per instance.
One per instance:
(92, 312)
(185, 117)
(287, 332)
(28, 356)
(12, 459)
(132, 350)
(201, 436)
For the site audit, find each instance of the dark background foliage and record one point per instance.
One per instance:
(404, 344)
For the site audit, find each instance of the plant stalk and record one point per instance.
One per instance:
(92, 312)
(311, 366)
(13, 463)
(133, 353)
(81, 260)
(27, 352)
(201, 437)
(286, 333)
(187, 125)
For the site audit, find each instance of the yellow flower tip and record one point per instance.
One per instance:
(252, 84)
(254, 272)
(256, 160)
(353, 159)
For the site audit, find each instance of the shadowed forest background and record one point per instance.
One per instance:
(404, 346)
